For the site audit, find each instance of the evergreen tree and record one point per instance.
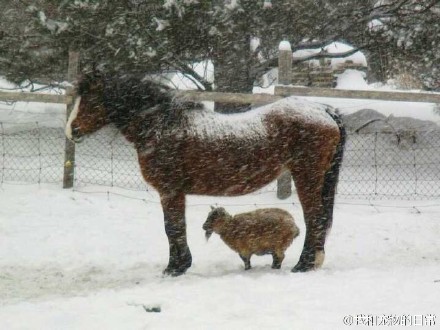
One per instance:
(163, 35)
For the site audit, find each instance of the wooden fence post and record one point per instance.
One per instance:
(284, 63)
(284, 181)
(69, 151)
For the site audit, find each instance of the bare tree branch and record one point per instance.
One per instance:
(328, 55)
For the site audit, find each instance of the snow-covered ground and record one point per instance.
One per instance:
(93, 260)
(90, 260)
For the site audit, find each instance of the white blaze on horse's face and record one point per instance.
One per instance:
(72, 117)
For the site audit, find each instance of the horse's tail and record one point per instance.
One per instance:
(332, 175)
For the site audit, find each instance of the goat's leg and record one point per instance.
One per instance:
(278, 257)
(247, 261)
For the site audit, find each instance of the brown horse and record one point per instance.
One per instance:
(184, 148)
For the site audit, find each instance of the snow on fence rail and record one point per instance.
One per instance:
(376, 165)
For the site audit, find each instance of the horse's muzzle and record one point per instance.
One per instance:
(75, 135)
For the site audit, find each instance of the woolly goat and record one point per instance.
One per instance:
(264, 231)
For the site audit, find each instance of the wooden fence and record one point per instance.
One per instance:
(285, 79)
(68, 100)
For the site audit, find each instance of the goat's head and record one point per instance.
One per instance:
(214, 220)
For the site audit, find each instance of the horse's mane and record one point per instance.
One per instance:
(131, 95)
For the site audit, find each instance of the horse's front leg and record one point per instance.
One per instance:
(180, 259)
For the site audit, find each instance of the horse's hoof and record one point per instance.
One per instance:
(302, 267)
(309, 261)
(174, 272)
(177, 270)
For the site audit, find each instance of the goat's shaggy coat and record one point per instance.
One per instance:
(264, 231)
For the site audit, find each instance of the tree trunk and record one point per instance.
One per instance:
(232, 64)
(378, 66)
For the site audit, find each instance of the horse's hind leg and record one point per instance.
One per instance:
(309, 181)
(312, 255)
(180, 259)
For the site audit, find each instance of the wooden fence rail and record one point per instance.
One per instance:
(280, 92)
(229, 97)
(357, 94)
(34, 97)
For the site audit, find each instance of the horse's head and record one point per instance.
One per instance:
(89, 113)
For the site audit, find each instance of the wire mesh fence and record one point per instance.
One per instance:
(376, 165)
(381, 165)
(30, 153)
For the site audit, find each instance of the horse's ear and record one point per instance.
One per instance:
(212, 207)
